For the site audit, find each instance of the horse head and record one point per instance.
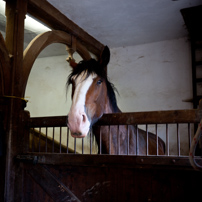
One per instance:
(92, 94)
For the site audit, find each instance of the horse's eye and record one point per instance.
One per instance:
(99, 82)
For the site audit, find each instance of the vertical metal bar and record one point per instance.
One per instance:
(118, 140)
(82, 145)
(67, 140)
(137, 141)
(53, 144)
(178, 140)
(90, 141)
(74, 145)
(39, 139)
(128, 141)
(167, 140)
(189, 135)
(109, 129)
(100, 141)
(157, 143)
(60, 138)
(147, 143)
(46, 138)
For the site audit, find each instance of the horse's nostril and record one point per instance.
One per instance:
(83, 118)
(77, 134)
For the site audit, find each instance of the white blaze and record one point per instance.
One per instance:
(78, 122)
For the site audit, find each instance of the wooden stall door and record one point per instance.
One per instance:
(107, 178)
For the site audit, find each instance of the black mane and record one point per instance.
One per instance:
(92, 66)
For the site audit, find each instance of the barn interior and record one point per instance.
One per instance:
(156, 57)
(138, 35)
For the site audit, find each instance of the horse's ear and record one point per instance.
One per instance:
(105, 57)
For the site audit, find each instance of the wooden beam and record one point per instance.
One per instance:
(132, 118)
(56, 121)
(5, 67)
(127, 161)
(51, 184)
(53, 18)
(15, 14)
(14, 40)
(152, 117)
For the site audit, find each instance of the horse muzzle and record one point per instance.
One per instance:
(78, 125)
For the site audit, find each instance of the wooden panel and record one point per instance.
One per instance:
(33, 191)
(51, 185)
(97, 183)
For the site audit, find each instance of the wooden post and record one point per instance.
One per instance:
(15, 13)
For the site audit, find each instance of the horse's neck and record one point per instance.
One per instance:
(109, 109)
(107, 133)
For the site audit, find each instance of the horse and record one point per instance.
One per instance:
(94, 95)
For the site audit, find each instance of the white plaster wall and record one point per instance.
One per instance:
(155, 76)
(46, 87)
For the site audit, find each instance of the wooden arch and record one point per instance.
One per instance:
(42, 41)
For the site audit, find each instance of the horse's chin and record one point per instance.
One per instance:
(78, 135)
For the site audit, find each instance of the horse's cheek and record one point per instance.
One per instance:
(100, 105)
(94, 102)
(91, 110)
(95, 110)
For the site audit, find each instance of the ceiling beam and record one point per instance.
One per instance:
(53, 18)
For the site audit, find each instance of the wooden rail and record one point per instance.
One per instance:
(152, 117)
(132, 118)
(107, 160)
